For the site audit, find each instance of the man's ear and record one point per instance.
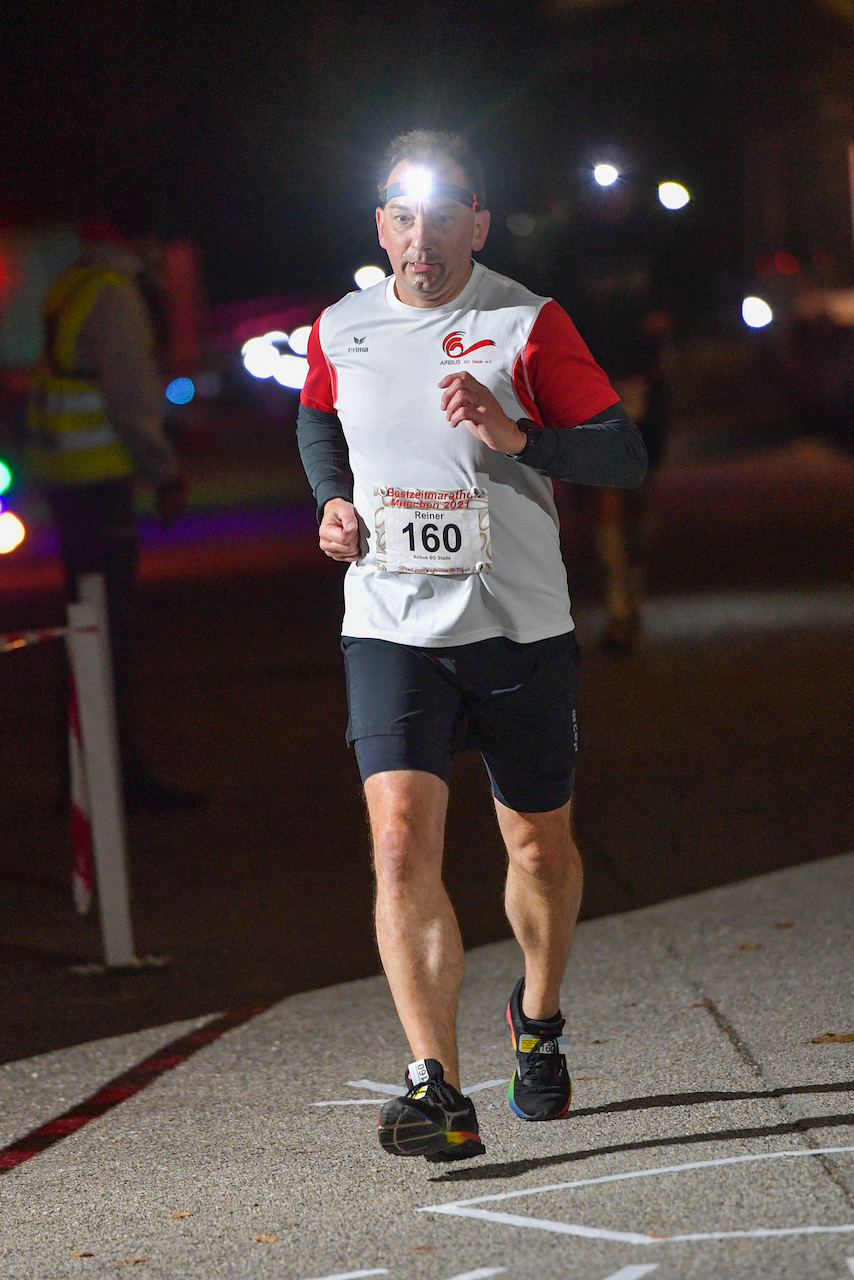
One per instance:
(380, 228)
(481, 229)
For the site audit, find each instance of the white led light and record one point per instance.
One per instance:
(419, 184)
(298, 341)
(605, 174)
(275, 335)
(673, 195)
(261, 359)
(291, 371)
(756, 313)
(367, 276)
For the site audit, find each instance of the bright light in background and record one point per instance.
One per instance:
(419, 184)
(367, 276)
(180, 391)
(5, 477)
(673, 195)
(261, 358)
(291, 371)
(12, 532)
(605, 174)
(756, 313)
(299, 339)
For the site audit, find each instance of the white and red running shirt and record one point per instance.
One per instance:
(376, 362)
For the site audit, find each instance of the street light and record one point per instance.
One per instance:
(673, 195)
(605, 174)
(756, 313)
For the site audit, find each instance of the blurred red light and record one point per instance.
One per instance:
(786, 263)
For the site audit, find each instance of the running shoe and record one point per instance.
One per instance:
(432, 1119)
(541, 1088)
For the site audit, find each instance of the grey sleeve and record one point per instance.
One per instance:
(608, 449)
(324, 455)
(116, 343)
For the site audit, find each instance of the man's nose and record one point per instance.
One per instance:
(421, 231)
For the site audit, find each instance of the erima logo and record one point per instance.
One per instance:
(358, 346)
(452, 344)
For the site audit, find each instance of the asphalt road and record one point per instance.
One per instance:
(706, 759)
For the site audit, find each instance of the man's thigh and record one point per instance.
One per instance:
(527, 732)
(403, 716)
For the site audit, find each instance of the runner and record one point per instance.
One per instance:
(435, 412)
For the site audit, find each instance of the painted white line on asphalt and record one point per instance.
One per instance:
(634, 1271)
(463, 1208)
(487, 1084)
(480, 1274)
(395, 1091)
(354, 1275)
(850, 1264)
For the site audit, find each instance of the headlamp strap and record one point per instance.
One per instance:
(438, 191)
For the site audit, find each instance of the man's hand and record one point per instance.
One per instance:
(339, 530)
(466, 400)
(170, 501)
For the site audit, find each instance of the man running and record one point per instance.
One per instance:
(436, 410)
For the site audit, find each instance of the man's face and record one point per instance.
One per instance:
(429, 242)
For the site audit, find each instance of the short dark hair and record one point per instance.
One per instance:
(426, 146)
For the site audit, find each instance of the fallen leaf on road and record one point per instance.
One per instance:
(129, 1262)
(703, 1004)
(575, 1079)
(185, 1213)
(598, 1041)
(749, 946)
(81, 1253)
(263, 1238)
(423, 1248)
(830, 1038)
(785, 924)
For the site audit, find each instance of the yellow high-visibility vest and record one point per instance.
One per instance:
(70, 439)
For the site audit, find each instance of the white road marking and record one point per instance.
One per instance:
(463, 1209)
(850, 1265)
(634, 1271)
(354, 1275)
(487, 1084)
(480, 1274)
(393, 1089)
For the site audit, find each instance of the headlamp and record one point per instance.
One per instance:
(419, 184)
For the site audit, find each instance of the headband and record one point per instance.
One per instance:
(437, 190)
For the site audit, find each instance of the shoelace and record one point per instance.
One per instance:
(542, 1067)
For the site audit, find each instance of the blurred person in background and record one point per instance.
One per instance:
(95, 425)
(623, 303)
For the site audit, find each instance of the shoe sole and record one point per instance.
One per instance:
(405, 1131)
(514, 1106)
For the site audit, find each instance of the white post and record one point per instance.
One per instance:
(91, 590)
(97, 726)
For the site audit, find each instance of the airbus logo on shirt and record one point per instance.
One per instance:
(358, 346)
(452, 345)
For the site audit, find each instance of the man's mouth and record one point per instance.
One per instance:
(420, 268)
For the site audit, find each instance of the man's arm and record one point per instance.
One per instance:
(608, 449)
(324, 455)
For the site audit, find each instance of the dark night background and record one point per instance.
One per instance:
(254, 132)
(256, 128)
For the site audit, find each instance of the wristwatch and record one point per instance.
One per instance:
(532, 432)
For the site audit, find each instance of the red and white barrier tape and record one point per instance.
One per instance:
(17, 639)
(83, 874)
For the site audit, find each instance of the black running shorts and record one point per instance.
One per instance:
(413, 708)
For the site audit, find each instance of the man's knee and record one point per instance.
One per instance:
(407, 824)
(541, 846)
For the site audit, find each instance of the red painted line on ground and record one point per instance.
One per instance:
(120, 1088)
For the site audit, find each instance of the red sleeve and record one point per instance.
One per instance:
(321, 385)
(556, 379)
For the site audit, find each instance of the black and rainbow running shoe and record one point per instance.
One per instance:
(431, 1120)
(541, 1088)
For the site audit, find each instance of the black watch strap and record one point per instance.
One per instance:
(532, 432)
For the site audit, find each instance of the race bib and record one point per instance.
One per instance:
(432, 530)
